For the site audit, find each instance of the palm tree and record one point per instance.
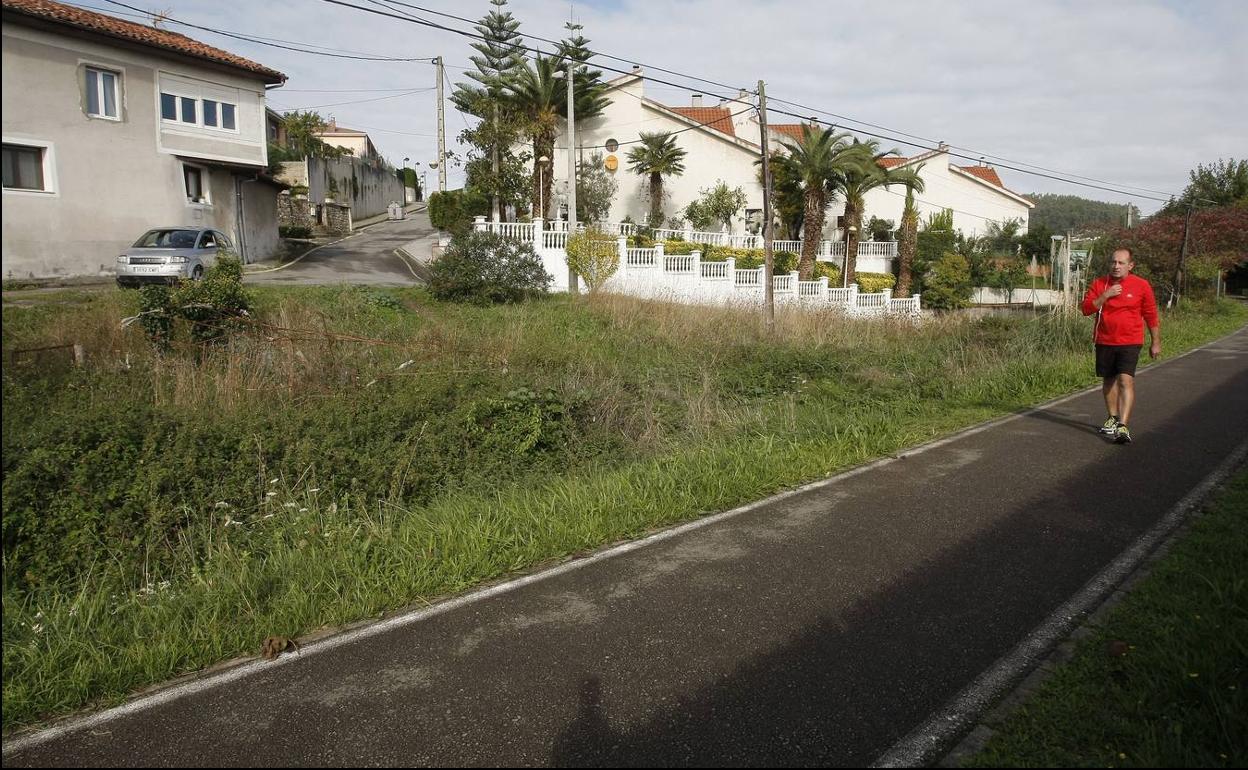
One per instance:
(537, 93)
(820, 161)
(909, 229)
(658, 156)
(861, 180)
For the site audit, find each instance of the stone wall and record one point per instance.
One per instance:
(293, 211)
(337, 217)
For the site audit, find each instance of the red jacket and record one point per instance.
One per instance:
(1122, 319)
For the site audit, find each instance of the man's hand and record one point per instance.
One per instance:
(1111, 292)
(1154, 349)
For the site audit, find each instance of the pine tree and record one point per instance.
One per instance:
(497, 58)
(493, 168)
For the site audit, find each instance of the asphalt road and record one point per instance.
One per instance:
(813, 630)
(364, 258)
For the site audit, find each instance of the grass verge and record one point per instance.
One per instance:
(361, 450)
(1163, 680)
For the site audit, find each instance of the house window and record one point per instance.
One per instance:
(219, 114)
(168, 107)
(196, 191)
(23, 168)
(102, 93)
(209, 113)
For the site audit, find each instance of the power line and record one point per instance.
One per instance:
(357, 101)
(594, 53)
(348, 90)
(949, 150)
(301, 48)
(475, 36)
(924, 141)
(918, 141)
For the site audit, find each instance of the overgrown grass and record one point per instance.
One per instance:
(363, 450)
(1163, 681)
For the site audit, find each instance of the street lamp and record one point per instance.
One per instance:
(405, 200)
(849, 233)
(541, 185)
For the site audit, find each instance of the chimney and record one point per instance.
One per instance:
(636, 69)
(697, 100)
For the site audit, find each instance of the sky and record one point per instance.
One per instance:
(1132, 93)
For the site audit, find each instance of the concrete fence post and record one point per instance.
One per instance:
(622, 246)
(537, 234)
(696, 260)
(823, 287)
(731, 270)
(659, 261)
(478, 223)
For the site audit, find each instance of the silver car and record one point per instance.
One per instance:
(171, 254)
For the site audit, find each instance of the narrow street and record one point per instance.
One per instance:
(367, 257)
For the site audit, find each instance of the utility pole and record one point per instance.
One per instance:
(1176, 292)
(441, 129)
(573, 279)
(495, 207)
(769, 307)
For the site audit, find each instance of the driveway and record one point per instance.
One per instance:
(367, 257)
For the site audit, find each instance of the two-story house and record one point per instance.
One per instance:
(112, 127)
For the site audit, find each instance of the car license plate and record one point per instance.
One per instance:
(147, 269)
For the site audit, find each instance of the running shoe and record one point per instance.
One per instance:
(1122, 435)
(1109, 428)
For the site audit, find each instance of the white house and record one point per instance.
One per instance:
(715, 151)
(723, 143)
(112, 128)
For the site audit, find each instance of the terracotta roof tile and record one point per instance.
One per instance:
(137, 33)
(986, 173)
(719, 118)
(795, 130)
(890, 162)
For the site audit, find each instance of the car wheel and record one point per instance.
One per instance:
(198, 273)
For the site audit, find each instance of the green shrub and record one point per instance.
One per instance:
(294, 231)
(640, 242)
(485, 268)
(947, 284)
(874, 283)
(196, 311)
(594, 256)
(453, 210)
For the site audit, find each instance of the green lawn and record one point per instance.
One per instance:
(362, 450)
(1163, 681)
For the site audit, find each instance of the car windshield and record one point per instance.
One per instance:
(167, 239)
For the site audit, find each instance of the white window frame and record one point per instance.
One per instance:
(117, 91)
(205, 186)
(50, 186)
(199, 112)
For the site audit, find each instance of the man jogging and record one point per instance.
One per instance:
(1124, 305)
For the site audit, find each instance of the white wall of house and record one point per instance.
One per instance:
(975, 202)
(107, 180)
(714, 156)
(711, 156)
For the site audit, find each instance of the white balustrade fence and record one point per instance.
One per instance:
(641, 258)
(686, 278)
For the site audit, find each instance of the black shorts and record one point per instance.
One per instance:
(1113, 360)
